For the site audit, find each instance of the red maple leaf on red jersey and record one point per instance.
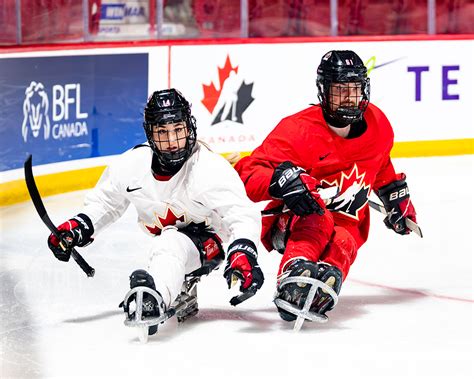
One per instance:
(353, 192)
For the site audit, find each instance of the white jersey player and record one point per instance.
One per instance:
(187, 197)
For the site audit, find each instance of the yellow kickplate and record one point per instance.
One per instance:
(51, 184)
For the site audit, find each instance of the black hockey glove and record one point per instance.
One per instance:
(297, 189)
(242, 263)
(396, 200)
(77, 231)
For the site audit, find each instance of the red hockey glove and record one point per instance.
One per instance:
(77, 231)
(297, 189)
(396, 200)
(242, 262)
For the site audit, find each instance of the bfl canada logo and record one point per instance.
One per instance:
(36, 112)
(231, 98)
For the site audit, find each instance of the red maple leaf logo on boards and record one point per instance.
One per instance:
(170, 218)
(211, 94)
(353, 193)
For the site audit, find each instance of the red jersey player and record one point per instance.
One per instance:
(344, 141)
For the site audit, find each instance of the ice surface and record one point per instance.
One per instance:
(406, 309)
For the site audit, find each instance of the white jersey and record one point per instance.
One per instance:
(206, 190)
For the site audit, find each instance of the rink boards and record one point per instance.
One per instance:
(76, 109)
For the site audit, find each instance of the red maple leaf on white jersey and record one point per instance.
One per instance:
(169, 218)
(353, 193)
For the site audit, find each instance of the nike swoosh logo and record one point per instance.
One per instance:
(323, 156)
(133, 189)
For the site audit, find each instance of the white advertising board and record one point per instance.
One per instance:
(240, 92)
(158, 68)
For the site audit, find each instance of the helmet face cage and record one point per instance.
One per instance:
(343, 87)
(170, 107)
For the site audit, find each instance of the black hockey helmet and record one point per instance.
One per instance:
(166, 107)
(344, 67)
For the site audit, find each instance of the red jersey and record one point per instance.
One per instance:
(356, 165)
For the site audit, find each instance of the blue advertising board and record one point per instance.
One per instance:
(70, 107)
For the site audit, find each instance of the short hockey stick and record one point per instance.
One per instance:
(413, 226)
(38, 203)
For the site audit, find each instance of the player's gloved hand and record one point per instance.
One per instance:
(242, 264)
(396, 200)
(297, 189)
(77, 231)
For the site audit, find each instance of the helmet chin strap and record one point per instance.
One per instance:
(342, 117)
(336, 122)
(164, 168)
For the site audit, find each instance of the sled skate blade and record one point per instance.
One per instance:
(185, 306)
(305, 313)
(142, 334)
